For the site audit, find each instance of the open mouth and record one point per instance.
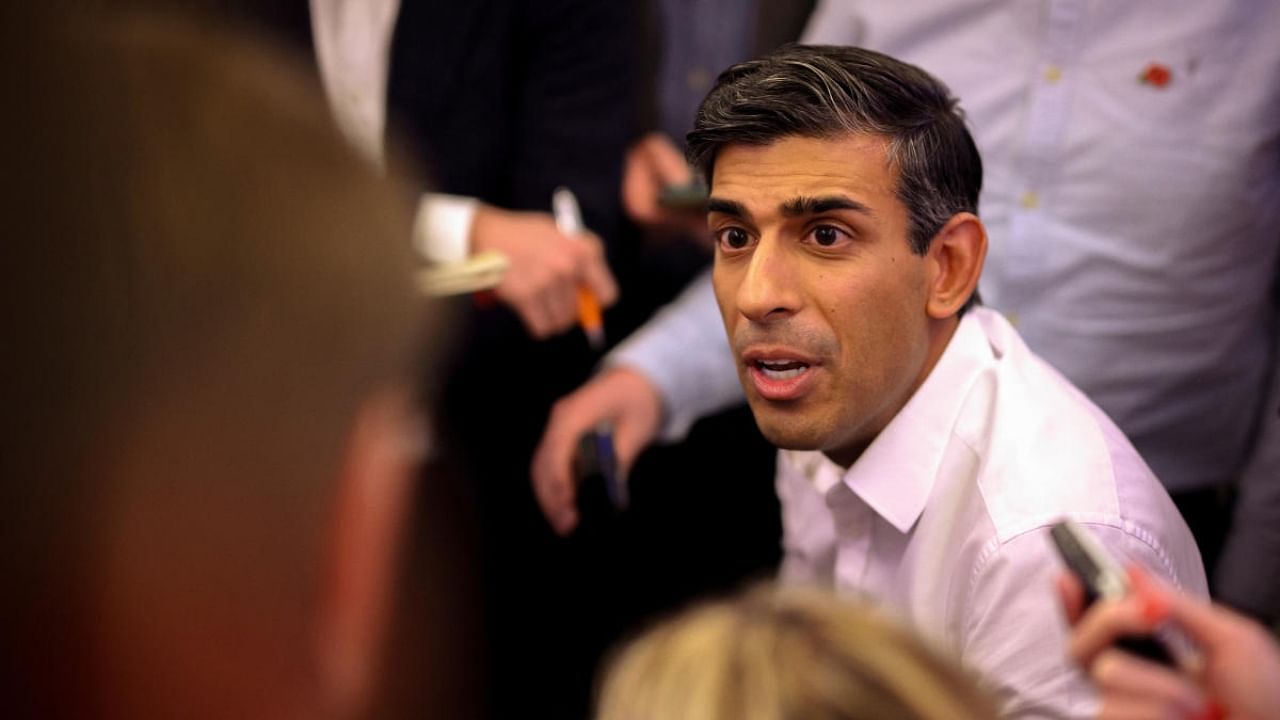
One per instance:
(781, 369)
(781, 378)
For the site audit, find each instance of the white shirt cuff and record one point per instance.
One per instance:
(442, 227)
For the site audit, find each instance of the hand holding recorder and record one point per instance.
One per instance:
(1234, 671)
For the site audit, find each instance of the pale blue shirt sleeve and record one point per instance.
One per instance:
(683, 351)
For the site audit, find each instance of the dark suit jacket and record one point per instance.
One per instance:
(503, 100)
(507, 99)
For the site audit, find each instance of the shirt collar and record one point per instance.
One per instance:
(895, 474)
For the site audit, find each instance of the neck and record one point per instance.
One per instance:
(940, 333)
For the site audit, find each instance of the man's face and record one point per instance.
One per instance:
(823, 299)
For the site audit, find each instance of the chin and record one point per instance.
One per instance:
(788, 432)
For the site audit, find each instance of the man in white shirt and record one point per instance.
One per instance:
(1132, 197)
(926, 450)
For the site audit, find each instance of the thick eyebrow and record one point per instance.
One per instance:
(732, 208)
(815, 205)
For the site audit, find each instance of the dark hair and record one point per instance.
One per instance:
(826, 90)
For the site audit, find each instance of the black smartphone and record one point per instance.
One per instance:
(1102, 577)
(691, 197)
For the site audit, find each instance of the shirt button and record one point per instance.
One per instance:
(1030, 200)
(1052, 74)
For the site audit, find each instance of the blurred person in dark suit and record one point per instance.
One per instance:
(499, 102)
(211, 436)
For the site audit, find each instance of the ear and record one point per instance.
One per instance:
(954, 264)
(384, 453)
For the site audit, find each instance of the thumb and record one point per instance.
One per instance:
(629, 440)
(1207, 625)
(1072, 595)
(595, 271)
(635, 424)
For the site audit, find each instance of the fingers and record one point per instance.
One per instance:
(668, 161)
(1143, 689)
(546, 269)
(561, 301)
(1131, 687)
(552, 470)
(552, 473)
(545, 313)
(1137, 708)
(619, 396)
(541, 284)
(635, 412)
(594, 270)
(653, 164)
(641, 186)
(1210, 626)
(1105, 622)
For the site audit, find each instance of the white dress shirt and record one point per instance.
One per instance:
(1133, 224)
(353, 50)
(944, 518)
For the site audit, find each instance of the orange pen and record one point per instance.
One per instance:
(564, 206)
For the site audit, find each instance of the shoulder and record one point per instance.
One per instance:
(1044, 451)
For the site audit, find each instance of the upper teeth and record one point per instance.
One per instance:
(782, 369)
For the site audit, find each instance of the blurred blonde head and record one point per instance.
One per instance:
(785, 654)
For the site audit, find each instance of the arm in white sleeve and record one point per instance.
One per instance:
(684, 353)
(442, 227)
(1012, 631)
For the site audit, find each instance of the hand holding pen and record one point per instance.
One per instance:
(564, 206)
(546, 266)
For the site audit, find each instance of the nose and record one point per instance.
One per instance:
(769, 291)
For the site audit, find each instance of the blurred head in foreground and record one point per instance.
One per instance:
(785, 654)
(209, 438)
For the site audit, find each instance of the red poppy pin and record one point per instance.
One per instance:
(1156, 75)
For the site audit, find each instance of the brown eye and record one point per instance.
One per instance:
(734, 238)
(826, 236)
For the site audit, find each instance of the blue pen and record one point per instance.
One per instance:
(615, 485)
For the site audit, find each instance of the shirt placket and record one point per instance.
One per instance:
(1039, 153)
(853, 520)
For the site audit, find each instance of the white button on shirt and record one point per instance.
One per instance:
(944, 518)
